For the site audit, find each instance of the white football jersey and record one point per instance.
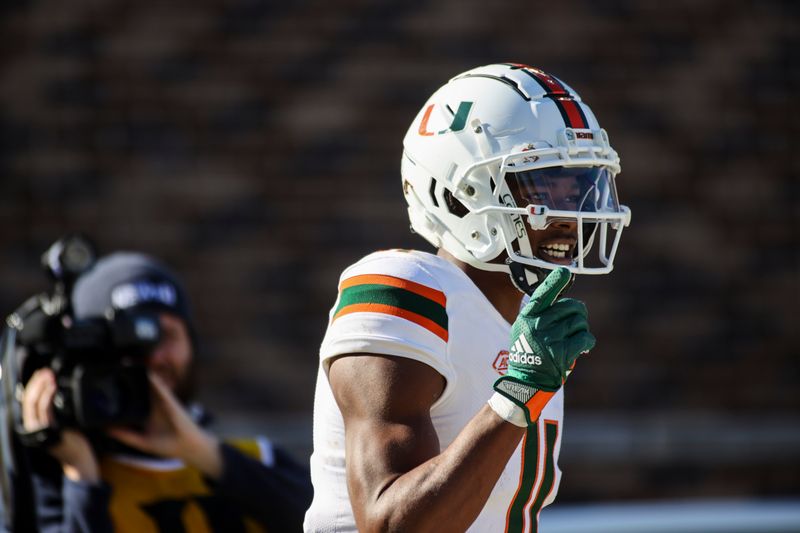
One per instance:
(418, 305)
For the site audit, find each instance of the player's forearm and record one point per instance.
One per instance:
(448, 491)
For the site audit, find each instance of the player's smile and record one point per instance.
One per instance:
(559, 251)
(557, 243)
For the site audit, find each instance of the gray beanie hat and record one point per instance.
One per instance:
(126, 281)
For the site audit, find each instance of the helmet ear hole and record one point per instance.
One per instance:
(432, 192)
(454, 206)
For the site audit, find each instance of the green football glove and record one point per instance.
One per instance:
(547, 338)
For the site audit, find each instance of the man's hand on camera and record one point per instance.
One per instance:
(171, 432)
(72, 450)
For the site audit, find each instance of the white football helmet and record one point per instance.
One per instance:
(506, 144)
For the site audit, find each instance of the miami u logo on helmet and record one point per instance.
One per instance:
(459, 119)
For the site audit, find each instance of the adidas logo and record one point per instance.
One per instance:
(522, 353)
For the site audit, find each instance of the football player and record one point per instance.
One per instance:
(439, 400)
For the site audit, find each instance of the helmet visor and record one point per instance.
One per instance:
(583, 189)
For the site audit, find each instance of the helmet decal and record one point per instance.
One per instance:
(459, 119)
(570, 110)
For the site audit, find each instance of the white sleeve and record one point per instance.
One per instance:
(389, 304)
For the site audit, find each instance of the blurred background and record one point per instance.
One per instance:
(255, 147)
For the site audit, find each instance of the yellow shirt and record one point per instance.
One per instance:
(164, 495)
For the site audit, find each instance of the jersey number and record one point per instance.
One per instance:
(537, 478)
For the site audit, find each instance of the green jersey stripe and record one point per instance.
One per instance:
(531, 459)
(395, 297)
(531, 451)
(551, 434)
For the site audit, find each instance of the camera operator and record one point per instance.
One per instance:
(168, 473)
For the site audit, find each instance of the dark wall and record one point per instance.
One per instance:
(255, 147)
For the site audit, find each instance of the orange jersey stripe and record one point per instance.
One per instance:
(420, 320)
(380, 279)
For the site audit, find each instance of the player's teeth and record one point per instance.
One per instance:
(561, 247)
(555, 253)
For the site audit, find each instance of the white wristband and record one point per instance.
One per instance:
(508, 410)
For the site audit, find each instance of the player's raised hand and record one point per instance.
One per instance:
(547, 338)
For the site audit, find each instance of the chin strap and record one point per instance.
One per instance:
(526, 278)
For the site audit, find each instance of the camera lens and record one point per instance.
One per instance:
(77, 255)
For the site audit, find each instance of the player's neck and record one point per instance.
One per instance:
(496, 286)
